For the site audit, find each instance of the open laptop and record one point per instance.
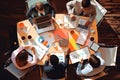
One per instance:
(82, 22)
(43, 23)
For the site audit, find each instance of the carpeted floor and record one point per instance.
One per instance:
(113, 14)
(115, 25)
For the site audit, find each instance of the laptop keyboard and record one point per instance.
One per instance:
(44, 24)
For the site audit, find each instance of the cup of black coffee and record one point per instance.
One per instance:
(92, 38)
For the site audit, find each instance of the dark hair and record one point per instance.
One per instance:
(54, 60)
(84, 63)
(86, 3)
(94, 61)
(22, 57)
(39, 6)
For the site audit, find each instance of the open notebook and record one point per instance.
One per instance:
(43, 23)
(78, 55)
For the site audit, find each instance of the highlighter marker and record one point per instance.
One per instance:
(74, 35)
(72, 44)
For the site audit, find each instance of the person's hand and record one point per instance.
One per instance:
(32, 48)
(81, 61)
(72, 16)
(88, 23)
(48, 56)
(68, 51)
(53, 20)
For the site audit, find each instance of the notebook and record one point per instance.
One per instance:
(43, 23)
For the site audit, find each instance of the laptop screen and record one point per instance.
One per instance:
(43, 23)
(40, 19)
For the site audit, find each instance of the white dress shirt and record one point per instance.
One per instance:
(31, 60)
(88, 68)
(75, 7)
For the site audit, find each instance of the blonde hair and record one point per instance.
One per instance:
(39, 6)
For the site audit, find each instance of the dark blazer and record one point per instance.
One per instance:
(34, 13)
(56, 72)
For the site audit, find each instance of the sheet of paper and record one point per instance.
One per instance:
(47, 36)
(68, 23)
(41, 50)
(88, 43)
(59, 21)
(78, 55)
(82, 36)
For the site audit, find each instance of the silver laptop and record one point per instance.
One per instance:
(43, 23)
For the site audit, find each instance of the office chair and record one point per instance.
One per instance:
(44, 77)
(95, 74)
(31, 3)
(101, 11)
(109, 54)
(19, 74)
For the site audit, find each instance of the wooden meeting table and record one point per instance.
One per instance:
(23, 38)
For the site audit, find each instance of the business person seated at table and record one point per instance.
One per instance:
(23, 59)
(81, 8)
(40, 9)
(55, 69)
(87, 66)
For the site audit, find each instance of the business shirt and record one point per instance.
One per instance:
(47, 10)
(56, 72)
(88, 68)
(30, 62)
(75, 7)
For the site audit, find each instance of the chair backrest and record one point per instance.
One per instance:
(19, 74)
(96, 71)
(101, 11)
(109, 54)
(31, 3)
(44, 77)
